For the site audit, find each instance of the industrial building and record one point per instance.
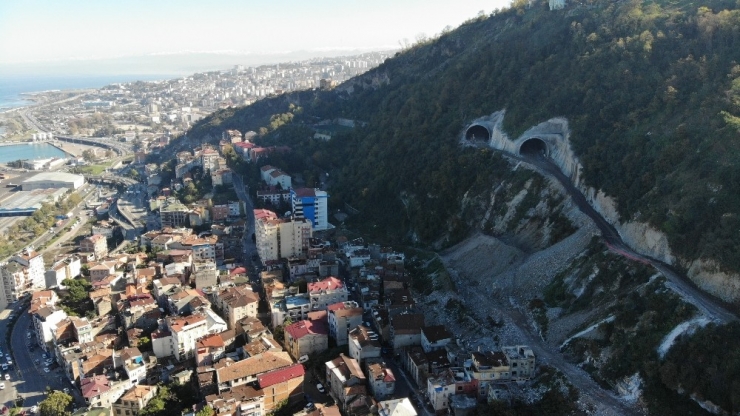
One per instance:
(25, 203)
(47, 180)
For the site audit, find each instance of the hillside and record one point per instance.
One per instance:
(651, 91)
(647, 97)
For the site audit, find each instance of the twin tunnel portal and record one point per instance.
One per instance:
(533, 146)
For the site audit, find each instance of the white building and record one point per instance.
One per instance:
(53, 180)
(311, 204)
(326, 292)
(185, 330)
(280, 238)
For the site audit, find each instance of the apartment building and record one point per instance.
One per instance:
(311, 204)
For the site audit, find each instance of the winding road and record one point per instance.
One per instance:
(708, 305)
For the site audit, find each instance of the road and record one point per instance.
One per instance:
(592, 395)
(249, 249)
(29, 378)
(681, 284)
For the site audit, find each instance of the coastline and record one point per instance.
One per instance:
(68, 152)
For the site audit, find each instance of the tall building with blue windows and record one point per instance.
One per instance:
(311, 204)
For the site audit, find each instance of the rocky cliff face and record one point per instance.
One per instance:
(642, 237)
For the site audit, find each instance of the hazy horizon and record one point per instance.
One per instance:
(185, 36)
(168, 65)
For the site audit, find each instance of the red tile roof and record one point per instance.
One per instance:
(300, 329)
(281, 375)
(330, 283)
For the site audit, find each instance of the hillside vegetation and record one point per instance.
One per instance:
(651, 91)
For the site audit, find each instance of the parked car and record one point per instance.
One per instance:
(46, 370)
(7, 376)
(2, 386)
(320, 388)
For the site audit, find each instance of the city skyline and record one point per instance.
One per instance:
(42, 32)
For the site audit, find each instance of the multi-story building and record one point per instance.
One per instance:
(521, 361)
(364, 344)
(326, 292)
(449, 383)
(173, 213)
(209, 350)
(280, 238)
(311, 204)
(134, 400)
(15, 282)
(282, 384)
(243, 400)
(306, 338)
(343, 316)
(131, 361)
(237, 303)
(45, 321)
(22, 274)
(230, 374)
(344, 372)
(435, 337)
(68, 268)
(95, 244)
(405, 330)
(185, 331)
(381, 380)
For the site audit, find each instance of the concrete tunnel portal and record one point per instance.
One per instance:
(534, 147)
(477, 132)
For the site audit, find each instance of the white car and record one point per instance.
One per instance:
(46, 370)
(7, 377)
(2, 386)
(320, 388)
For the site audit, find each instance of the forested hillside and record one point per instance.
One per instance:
(651, 91)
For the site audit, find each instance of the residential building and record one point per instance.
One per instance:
(343, 316)
(435, 337)
(68, 268)
(311, 204)
(209, 350)
(405, 330)
(186, 330)
(326, 292)
(395, 407)
(277, 238)
(96, 244)
(242, 400)
(381, 379)
(45, 321)
(131, 361)
(230, 374)
(451, 382)
(282, 384)
(363, 344)
(345, 378)
(33, 261)
(306, 338)
(173, 213)
(98, 391)
(237, 303)
(134, 400)
(521, 361)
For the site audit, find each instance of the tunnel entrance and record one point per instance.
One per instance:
(477, 132)
(534, 147)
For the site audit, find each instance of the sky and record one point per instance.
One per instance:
(37, 33)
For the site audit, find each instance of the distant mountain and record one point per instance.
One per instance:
(168, 64)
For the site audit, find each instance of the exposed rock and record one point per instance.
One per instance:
(709, 277)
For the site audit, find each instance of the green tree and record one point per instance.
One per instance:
(205, 411)
(56, 404)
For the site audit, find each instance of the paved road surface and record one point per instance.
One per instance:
(681, 284)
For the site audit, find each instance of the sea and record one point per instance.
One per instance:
(29, 151)
(13, 86)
